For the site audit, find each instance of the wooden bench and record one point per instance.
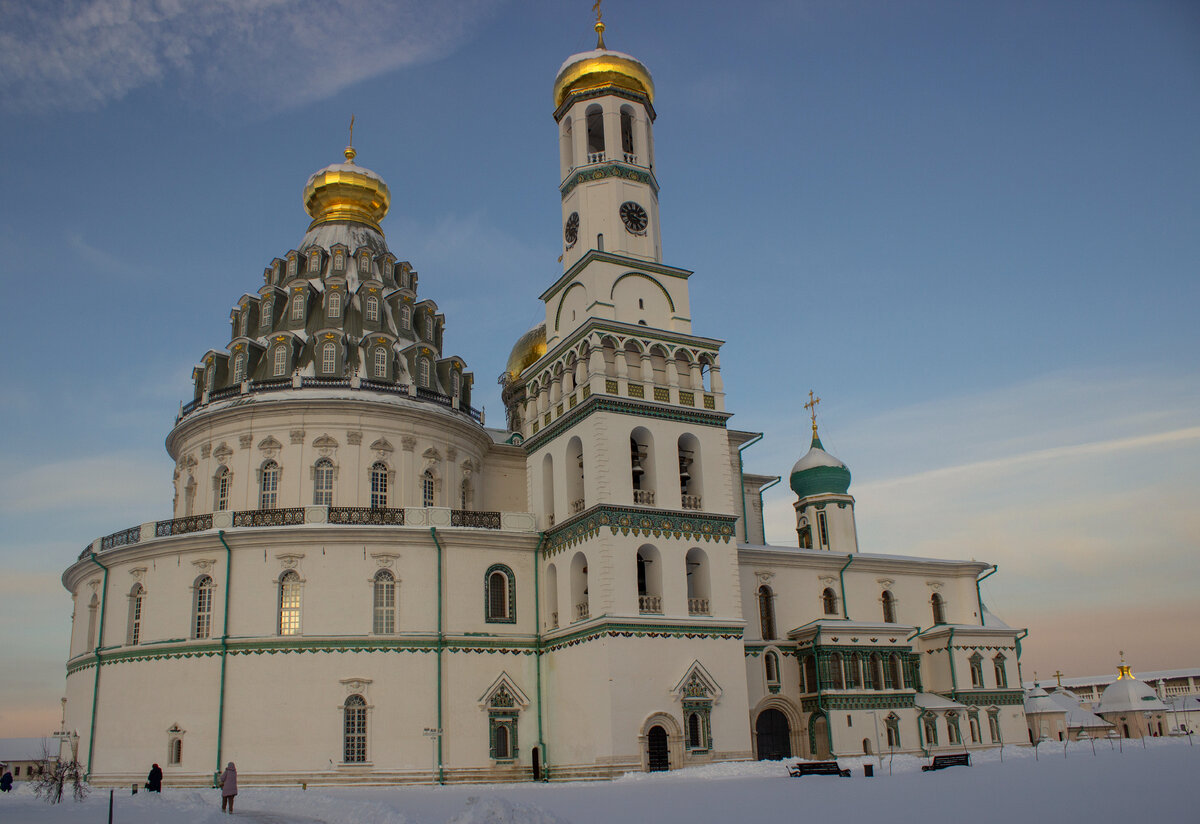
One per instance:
(803, 768)
(941, 762)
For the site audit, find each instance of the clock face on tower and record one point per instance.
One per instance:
(635, 217)
(571, 231)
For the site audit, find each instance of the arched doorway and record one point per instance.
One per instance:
(773, 735)
(656, 746)
(818, 736)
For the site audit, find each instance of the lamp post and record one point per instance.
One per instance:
(433, 734)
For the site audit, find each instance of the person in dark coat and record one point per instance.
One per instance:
(228, 787)
(154, 780)
(6, 782)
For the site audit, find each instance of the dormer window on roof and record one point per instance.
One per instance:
(291, 264)
(364, 263)
(373, 309)
(334, 304)
(314, 261)
(339, 260)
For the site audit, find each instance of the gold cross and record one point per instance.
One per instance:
(812, 405)
(351, 130)
(596, 8)
(1058, 674)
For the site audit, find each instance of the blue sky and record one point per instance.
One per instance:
(970, 227)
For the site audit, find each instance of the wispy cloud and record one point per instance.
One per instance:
(81, 54)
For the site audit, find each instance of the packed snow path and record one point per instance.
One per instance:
(1155, 783)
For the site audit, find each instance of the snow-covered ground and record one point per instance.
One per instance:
(1139, 784)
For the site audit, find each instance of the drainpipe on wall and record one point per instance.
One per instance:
(978, 594)
(441, 773)
(950, 656)
(742, 485)
(761, 490)
(96, 652)
(1022, 635)
(842, 579)
(537, 645)
(224, 650)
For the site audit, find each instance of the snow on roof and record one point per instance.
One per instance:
(930, 701)
(1037, 701)
(865, 556)
(990, 620)
(1108, 678)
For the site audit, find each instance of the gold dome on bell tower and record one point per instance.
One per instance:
(346, 192)
(600, 68)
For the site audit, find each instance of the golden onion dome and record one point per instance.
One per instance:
(599, 68)
(345, 191)
(528, 349)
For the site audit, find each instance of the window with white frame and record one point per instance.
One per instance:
(1001, 672)
(354, 730)
(379, 485)
(381, 359)
(202, 607)
(323, 483)
(333, 305)
(405, 316)
(372, 309)
(314, 261)
(328, 358)
(994, 725)
(239, 367)
(455, 383)
(501, 600)
(298, 306)
(269, 486)
(771, 668)
(289, 603)
(134, 632)
(279, 368)
(245, 319)
(264, 319)
(175, 751)
(210, 377)
(977, 671)
(424, 372)
(384, 603)
(427, 488)
(364, 264)
(222, 496)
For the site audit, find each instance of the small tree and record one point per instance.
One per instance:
(54, 775)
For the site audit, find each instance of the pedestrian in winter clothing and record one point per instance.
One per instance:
(228, 787)
(154, 780)
(6, 782)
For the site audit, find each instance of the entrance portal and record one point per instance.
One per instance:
(774, 736)
(656, 745)
(819, 737)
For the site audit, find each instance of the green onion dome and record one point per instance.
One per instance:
(819, 473)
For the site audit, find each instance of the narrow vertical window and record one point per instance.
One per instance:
(270, 486)
(176, 752)
(994, 727)
(889, 607)
(239, 368)
(202, 607)
(977, 671)
(328, 358)
(289, 603)
(354, 730)
(280, 366)
(264, 319)
(499, 592)
(323, 483)
(465, 495)
(298, 307)
(695, 739)
(502, 744)
(210, 377)
(134, 635)
(455, 383)
(829, 601)
(384, 603)
(424, 373)
(405, 316)
(427, 488)
(823, 529)
(939, 608)
(771, 665)
(373, 309)
(245, 320)
(381, 358)
(595, 134)
(1001, 673)
(93, 611)
(334, 307)
(314, 261)
(379, 485)
(364, 264)
(222, 490)
(766, 612)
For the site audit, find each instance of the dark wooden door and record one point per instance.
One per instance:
(774, 736)
(660, 758)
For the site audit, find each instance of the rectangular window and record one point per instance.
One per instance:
(203, 624)
(823, 527)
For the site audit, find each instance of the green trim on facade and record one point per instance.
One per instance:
(645, 522)
(984, 698)
(620, 629)
(860, 701)
(603, 403)
(621, 170)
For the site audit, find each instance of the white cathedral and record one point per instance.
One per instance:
(364, 583)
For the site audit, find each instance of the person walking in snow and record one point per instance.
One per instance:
(6, 781)
(154, 779)
(228, 787)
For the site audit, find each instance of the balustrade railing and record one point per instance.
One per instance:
(122, 538)
(643, 496)
(630, 157)
(182, 526)
(471, 518)
(290, 516)
(582, 613)
(650, 604)
(577, 506)
(380, 516)
(691, 502)
(596, 157)
(698, 606)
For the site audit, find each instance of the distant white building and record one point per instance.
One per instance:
(362, 582)
(25, 757)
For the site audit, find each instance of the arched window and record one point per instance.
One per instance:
(384, 606)
(627, 134)
(354, 730)
(837, 674)
(502, 747)
(766, 612)
(1001, 672)
(264, 319)
(931, 736)
(889, 607)
(134, 633)
(853, 671)
(381, 358)
(269, 487)
(501, 595)
(953, 734)
(595, 133)
(364, 264)
(298, 307)
(893, 732)
(424, 372)
(465, 490)
(222, 489)
(771, 666)
(245, 321)
(210, 377)
(202, 607)
(875, 668)
(323, 483)
(939, 609)
(699, 584)
(427, 488)
(896, 672)
(289, 603)
(973, 720)
(829, 601)
(328, 358)
(372, 309)
(695, 731)
(279, 368)
(176, 752)
(405, 316)
(994, 726)
(977, 671)
(379, 485)
(239, 367)
(334, 304)
(93, 611)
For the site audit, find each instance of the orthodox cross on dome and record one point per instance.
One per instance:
(812, 406)
(1058, 674)
(599, 26)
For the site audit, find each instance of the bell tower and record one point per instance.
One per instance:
(604, 110)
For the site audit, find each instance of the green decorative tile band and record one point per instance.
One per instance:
(983, 698)
(624, 630)
(860, 701)
(648, 523)
(600, 403)
(611, 170)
